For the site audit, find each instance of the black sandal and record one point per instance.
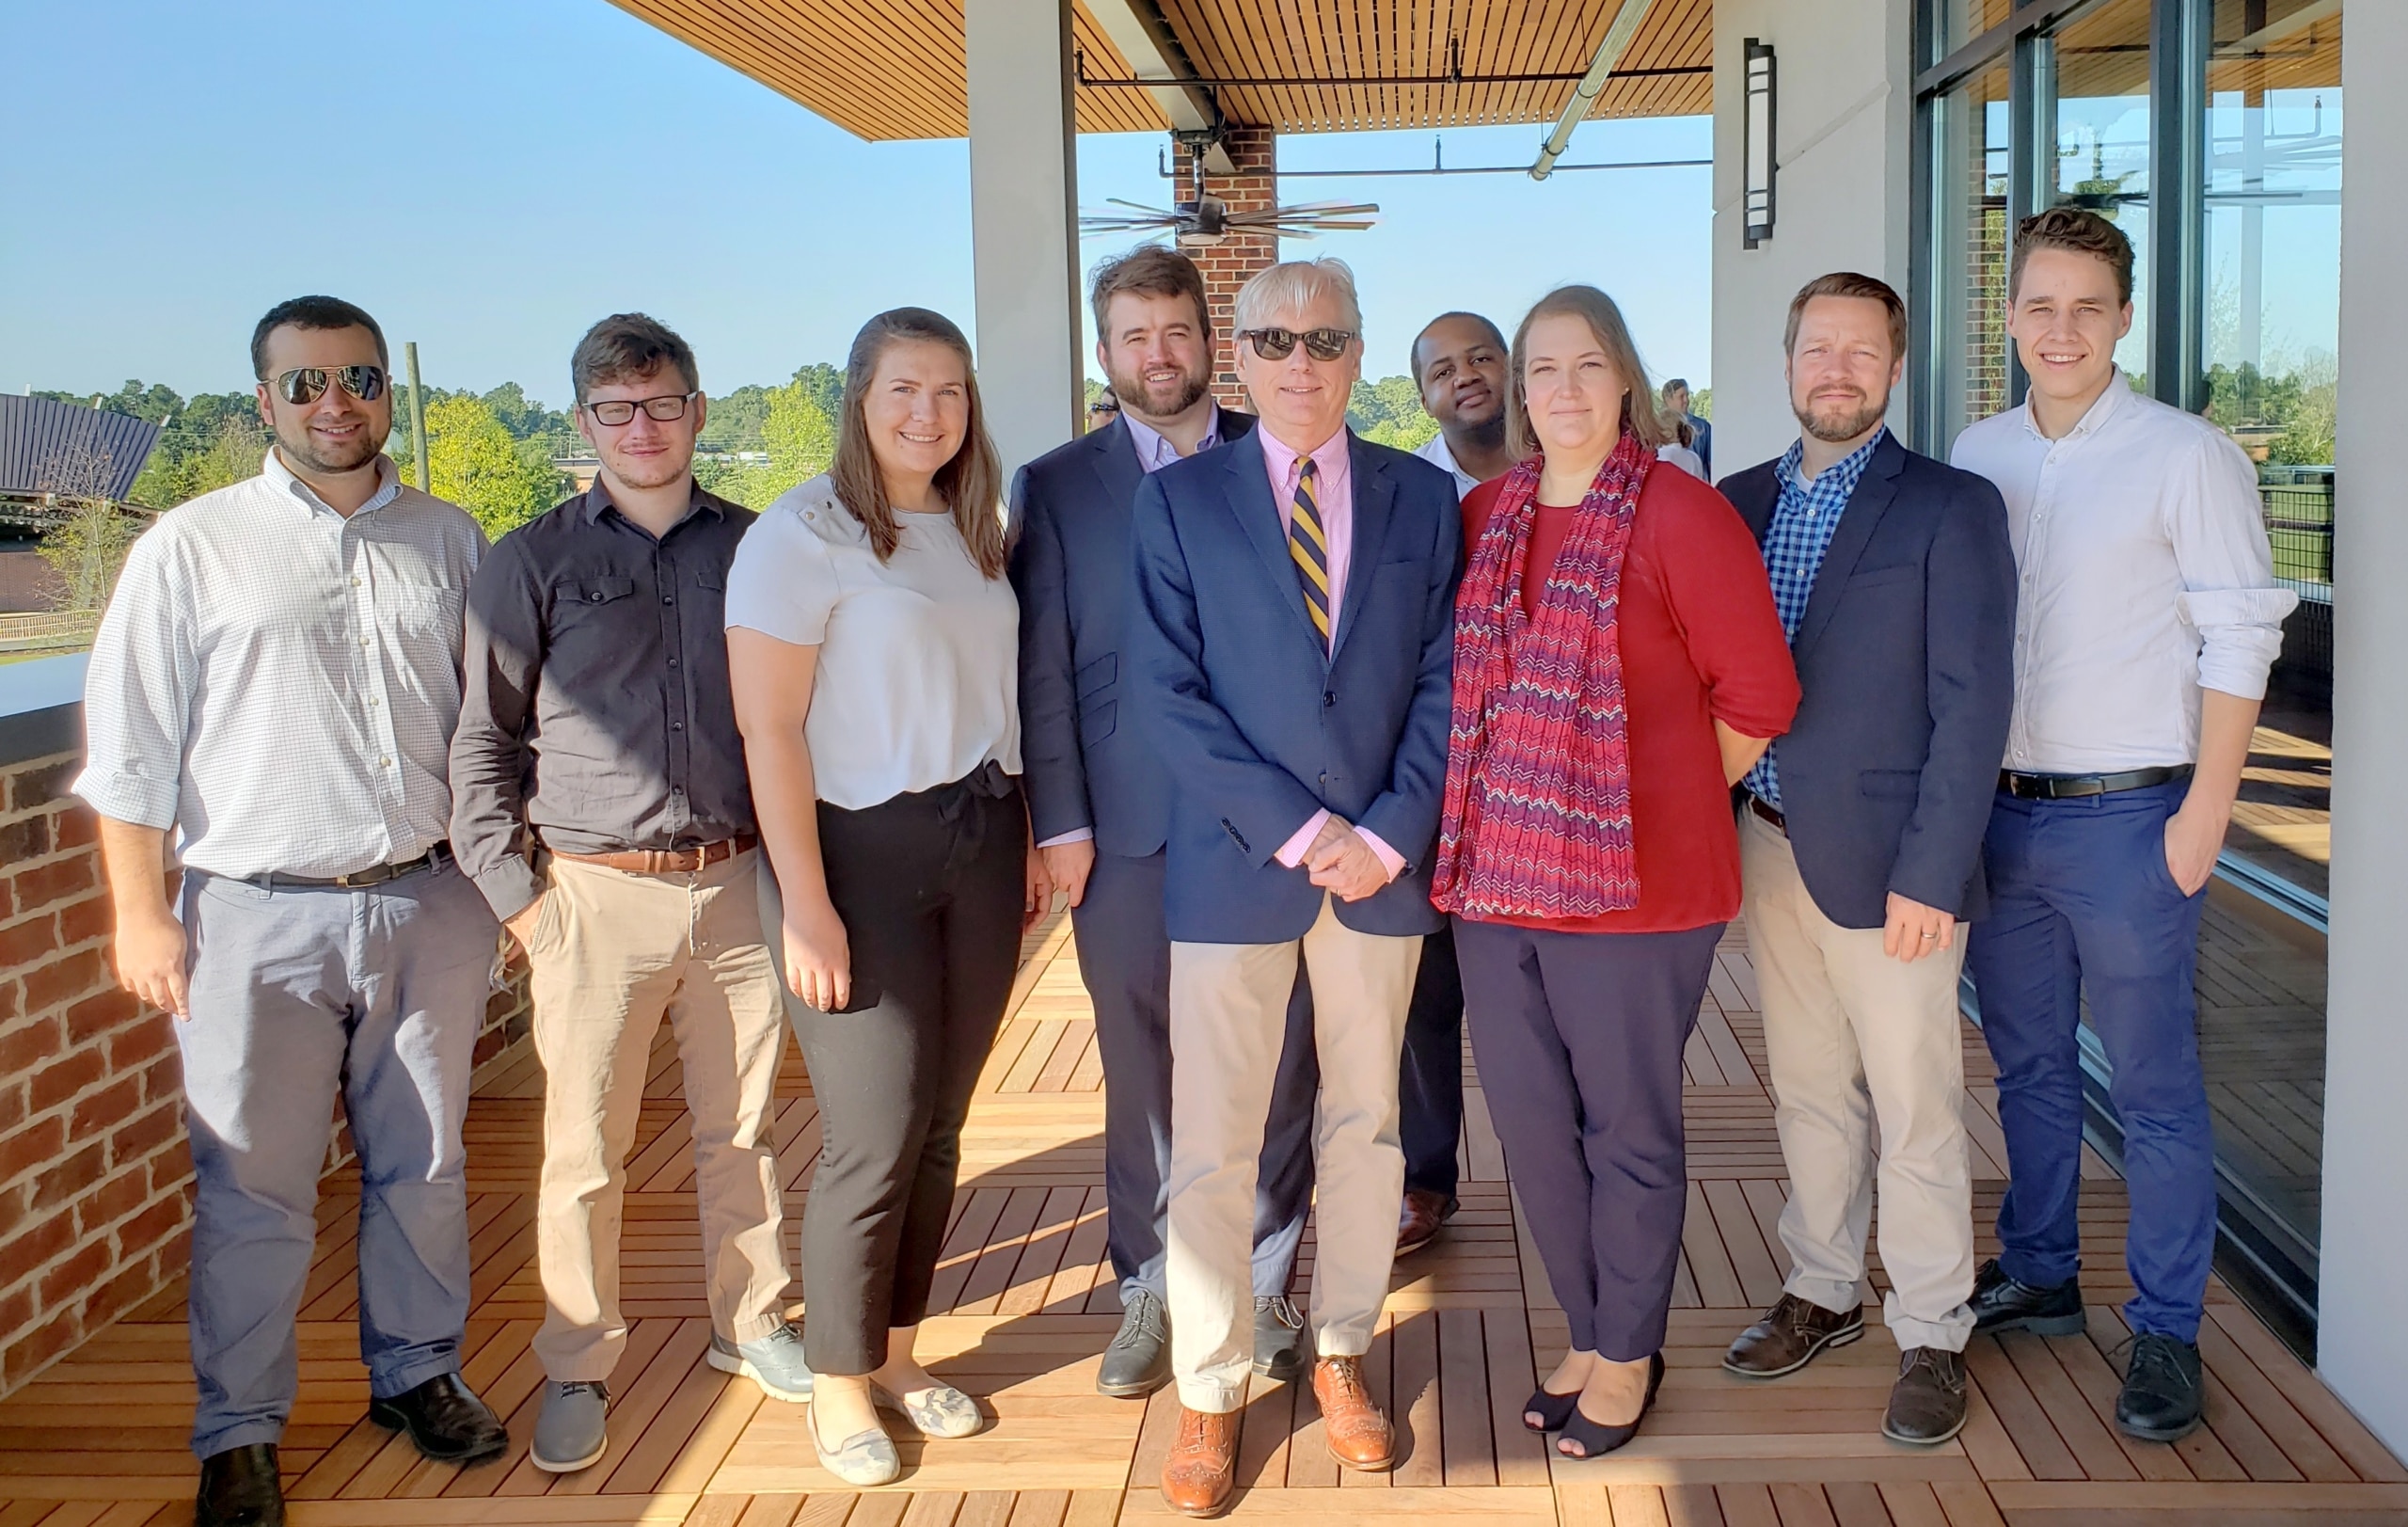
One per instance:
(1594, 1437)
(1550, 1408)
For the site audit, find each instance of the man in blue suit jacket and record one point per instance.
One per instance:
(1861, 845)
(1294, 646)
(1099, 804)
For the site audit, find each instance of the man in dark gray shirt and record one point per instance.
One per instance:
(600, 804)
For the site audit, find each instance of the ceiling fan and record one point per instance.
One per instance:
(1205, 220)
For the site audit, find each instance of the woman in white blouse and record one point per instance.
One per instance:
(873, 645)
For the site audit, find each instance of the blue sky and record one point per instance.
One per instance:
(489, 179)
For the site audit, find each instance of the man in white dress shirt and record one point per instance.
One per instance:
(277, 681)
(2145, 620)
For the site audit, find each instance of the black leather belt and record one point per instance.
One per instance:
(1768, 812)
(358, 880)
(2073, 787)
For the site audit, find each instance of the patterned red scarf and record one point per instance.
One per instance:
(1537, 819)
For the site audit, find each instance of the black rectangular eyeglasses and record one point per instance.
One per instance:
(1278, 344)
(668, 406)
(308, 384)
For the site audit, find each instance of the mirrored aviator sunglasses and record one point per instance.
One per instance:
(308, 384)
(1278, 343)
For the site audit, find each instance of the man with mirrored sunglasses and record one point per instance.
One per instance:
(603, 809)
(276, 680)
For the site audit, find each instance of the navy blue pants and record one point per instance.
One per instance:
(1578, 1037)
(1430, 1077)
(1124, 958)
(2081, 901)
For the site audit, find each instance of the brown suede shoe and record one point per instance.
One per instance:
(1359, 1435)
(1417, 1221)
(1789, 1337)
(1202, 1468)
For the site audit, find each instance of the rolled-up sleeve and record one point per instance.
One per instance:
(2230, 596)
(139, 692)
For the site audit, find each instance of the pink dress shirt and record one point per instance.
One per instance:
(1334, 495)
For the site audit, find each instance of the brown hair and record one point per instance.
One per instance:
(1603, 319)
(1847, 283)
(2077, 231)
(972, 484)
(626, 345)
(1148, 271)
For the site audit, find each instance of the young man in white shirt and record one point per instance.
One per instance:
(2147, 618)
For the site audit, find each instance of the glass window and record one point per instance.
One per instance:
(1967, 290)
(2100, 118)
(1958, 21)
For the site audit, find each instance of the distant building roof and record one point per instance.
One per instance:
(49, 447)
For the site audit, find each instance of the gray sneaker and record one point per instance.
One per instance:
(773, 1361)
(1138, 1360)
(569, 1434)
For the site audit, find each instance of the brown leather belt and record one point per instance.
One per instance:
(1769, 813)
(668, 861)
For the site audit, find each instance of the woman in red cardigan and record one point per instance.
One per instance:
(1618, 665)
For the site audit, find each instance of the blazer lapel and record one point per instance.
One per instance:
(1115, 460)
(1858, 521)
(1374, 507)
(1249, 494)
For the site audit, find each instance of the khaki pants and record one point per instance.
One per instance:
(1228, 1011)
(1856, 1038)
(613, 954)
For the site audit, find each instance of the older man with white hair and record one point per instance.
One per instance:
(1293, 645)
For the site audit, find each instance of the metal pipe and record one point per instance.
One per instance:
(1301, 82)
(1584, 95)
(418, 419)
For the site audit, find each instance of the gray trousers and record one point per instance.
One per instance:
(299, 995)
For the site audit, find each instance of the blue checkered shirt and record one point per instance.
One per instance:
(1795, 542)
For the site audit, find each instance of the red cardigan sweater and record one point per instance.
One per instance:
(1700, 643)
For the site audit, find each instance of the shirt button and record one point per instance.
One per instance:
(676, 725)
(384, 763)
(672, 662)
(668, 598)
(354, 582)
(371, 702)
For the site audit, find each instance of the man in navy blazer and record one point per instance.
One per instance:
(1293, 649)
(1860, 834)
(1099, 802)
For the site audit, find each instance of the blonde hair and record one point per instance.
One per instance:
(972, 484)
(1603, 319)
(1290, 285)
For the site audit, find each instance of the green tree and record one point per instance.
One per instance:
(90, 532)
(826, 385)
(475, 464)
(801, 442)
(1388, 412)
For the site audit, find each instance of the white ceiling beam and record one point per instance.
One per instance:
(1138, 29)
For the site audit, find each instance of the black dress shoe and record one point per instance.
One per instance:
(2001, 1304)
(1927, 1403)
(1278, 1339)
(445, 1419)
(1138, 1360)
(239, 1489)
(2163, 1390)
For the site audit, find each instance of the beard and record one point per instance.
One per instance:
(301, 449)
(1180, 395)
(1835, 421)
(659, 471)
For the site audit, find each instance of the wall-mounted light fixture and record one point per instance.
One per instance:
(1756, 122)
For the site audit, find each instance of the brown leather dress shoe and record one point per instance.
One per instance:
(1202, 1468)
(1791, 1335)
(1359, 1435)
(1417, 1221)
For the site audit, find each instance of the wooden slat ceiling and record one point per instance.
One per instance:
(893, 69)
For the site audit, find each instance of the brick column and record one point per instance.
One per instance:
(1229, 263)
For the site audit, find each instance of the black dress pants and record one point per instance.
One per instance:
(931, 888)
(1430, 1075)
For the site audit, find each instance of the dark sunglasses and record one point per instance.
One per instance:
(668, 406)
(1278, 344)
(308, 384)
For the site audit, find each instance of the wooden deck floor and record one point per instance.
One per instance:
(1029, 1305)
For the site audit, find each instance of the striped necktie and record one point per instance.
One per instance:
(1309, 544)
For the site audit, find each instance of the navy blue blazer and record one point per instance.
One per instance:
(1070, 567)
(1906, 656)
(1258, 727)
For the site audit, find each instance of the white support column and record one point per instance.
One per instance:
(1844, 108)
(1023, 222)
(2362, 1347)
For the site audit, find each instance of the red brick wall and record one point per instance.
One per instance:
(95, 1178)
(1227, 265)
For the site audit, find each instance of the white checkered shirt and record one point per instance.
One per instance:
(279, 683)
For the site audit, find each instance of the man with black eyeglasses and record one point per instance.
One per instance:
(276, 680)
(604, 811)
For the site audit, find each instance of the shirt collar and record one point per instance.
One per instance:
(388, 484)
(1847, 469)
(2103, 408)
(597, 499)
(1154, 448)
(1330, 457)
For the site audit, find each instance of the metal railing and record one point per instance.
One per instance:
(48, 631)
